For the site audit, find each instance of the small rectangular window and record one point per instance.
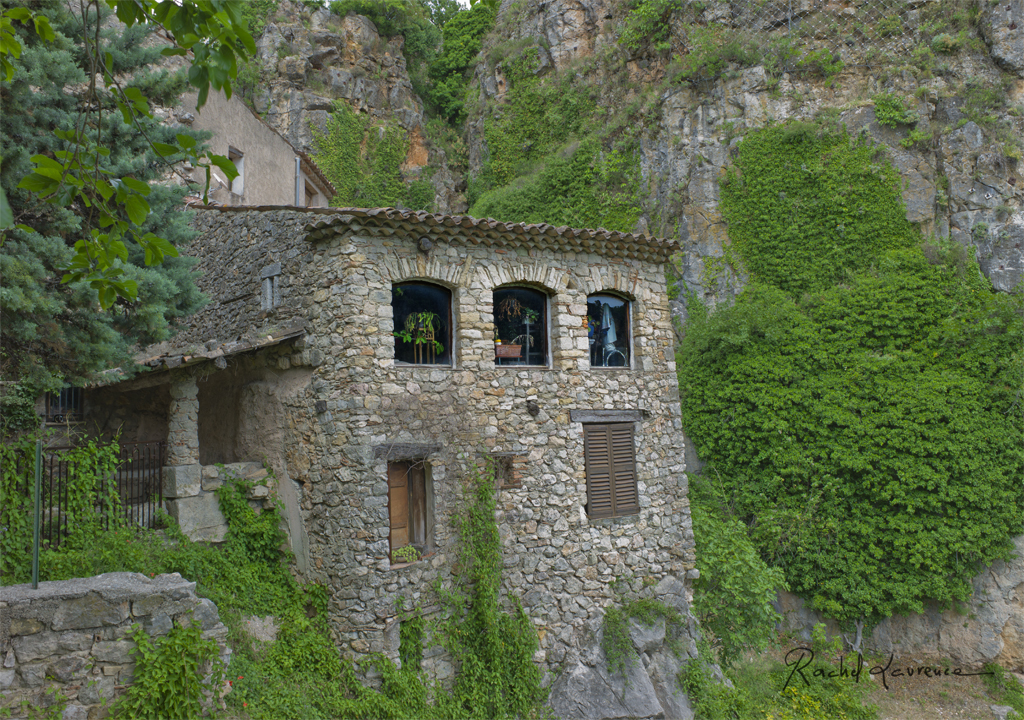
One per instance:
(508, 470)
(64, 406)
(410, 511)
(238, 184)
(610, 463)
(312, 197)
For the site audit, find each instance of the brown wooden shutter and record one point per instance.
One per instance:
(417, 505)
(398, 504)
(624, 493)
(597, 460)
(610, 459)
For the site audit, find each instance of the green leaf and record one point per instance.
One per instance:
(225, 164)
(138, 209)
(164, 150)
(136, 185)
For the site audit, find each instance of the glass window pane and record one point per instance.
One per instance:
(608, 331)
(423, 325)
(521, 326)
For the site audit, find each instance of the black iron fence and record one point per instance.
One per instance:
(137, 475)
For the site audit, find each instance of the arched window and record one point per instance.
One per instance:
(423, 323)
(608, 331)
(520, 326)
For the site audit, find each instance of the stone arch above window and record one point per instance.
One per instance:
(609, 330)
(422, 313)
(521, 326)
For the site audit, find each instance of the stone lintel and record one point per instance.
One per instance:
(605, 416)
(405, 451)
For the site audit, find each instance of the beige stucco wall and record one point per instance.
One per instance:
(269, 161)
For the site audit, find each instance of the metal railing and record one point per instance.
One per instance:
(139, 480)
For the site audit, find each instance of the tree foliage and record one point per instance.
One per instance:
(75, 173)
(51, 332)
(868, 432)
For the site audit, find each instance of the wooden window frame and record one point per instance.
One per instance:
(610, 461)
(448, 340)
(410, 507)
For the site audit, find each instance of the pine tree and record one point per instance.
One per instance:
(53, 333)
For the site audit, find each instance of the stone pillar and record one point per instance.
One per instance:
(182, 474)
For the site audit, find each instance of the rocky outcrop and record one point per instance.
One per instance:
(1002, 26)
(989, 629)
(312, 61)
(966, 185)
(588, 689)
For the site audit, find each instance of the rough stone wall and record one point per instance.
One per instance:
(559, 562)
(990, 628)
(71, 637)
(364, 409)
(232, 260)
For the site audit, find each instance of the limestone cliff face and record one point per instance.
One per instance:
(310, 61)
(963, 185)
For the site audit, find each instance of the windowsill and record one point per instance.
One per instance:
(400, 364)
(414, 563)
(522, 367)
(611, 367)
(617, 520)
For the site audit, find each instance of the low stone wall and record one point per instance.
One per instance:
(70, 637)
(990, 629)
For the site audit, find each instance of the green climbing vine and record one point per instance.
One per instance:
(805, 206)
(861, 400)
(363, 160)
(538, 170)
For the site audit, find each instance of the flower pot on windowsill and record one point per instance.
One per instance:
(508, 351)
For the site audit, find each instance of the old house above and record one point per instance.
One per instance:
(373, 357)
(271, 171)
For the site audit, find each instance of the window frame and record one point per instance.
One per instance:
(546, 325)
(629, 331)
(418, 503)
(606, 447)
(449, 342)
(67, 405)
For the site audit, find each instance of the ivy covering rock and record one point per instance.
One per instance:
(860, 400)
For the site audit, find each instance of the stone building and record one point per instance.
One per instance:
(357, 353)
(271, 171)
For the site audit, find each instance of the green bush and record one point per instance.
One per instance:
(462, 40)
(891, 110)
(648, 22)
(733, 597)
(585, 189)
(169, 673)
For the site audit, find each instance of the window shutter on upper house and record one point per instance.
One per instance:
(610, 459)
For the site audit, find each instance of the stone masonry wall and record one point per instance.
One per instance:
(367, 410)
(71, 637)
(561, 564)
